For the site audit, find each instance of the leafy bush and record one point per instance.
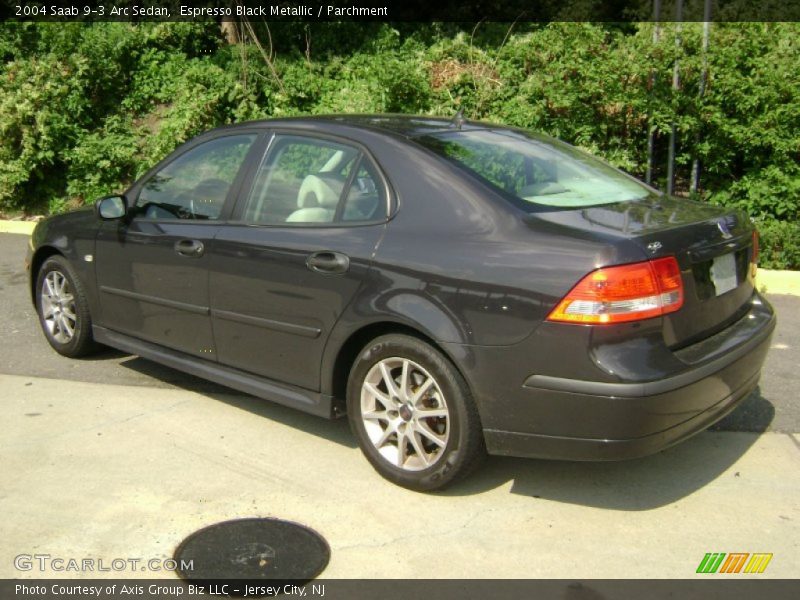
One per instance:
(86, 108)
(43, 110)
(102, 160)
(779, 244)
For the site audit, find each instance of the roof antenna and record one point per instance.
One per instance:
(458, 119)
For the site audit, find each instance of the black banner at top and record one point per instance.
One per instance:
(402, 10)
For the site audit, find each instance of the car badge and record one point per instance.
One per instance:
(654, 246)
(723, 229)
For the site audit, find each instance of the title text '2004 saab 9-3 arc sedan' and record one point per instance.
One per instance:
(454, 288)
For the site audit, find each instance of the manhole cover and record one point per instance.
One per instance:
(252, 549)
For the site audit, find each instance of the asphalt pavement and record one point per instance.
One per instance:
(116, 457)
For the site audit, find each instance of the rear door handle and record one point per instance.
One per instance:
(191, 248)
(328, 262)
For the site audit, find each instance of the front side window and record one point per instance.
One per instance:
(196, 184)
(535, 170)
(304, 180)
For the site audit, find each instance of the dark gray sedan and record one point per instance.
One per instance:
(453, 287)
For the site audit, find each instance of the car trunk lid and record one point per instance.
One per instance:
(713, 247)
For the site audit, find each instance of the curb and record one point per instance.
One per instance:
(778, 282)
(767, 281)
(21, 227)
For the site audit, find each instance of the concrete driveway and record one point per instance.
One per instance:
(116, 457)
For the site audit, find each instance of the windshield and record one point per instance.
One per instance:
(536, 171)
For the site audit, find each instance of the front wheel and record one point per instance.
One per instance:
(63, 309)
(413, 414)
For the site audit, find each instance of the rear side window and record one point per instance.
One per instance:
(196, 184)
(365, 199)
(535, 170)
(310, 181)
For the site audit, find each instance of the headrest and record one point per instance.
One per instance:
(316, 191)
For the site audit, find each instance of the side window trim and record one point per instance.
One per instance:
(134, 192)
(249, 166)
(348, 184)
(237, 216)
(249, 181)
(248, 184)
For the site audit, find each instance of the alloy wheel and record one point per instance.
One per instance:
(58, 307)
(405, 414)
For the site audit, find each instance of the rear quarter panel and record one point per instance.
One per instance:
(465, 264)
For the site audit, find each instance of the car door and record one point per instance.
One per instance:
(283, 274)
(152, 266)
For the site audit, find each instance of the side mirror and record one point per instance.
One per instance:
(111, 208)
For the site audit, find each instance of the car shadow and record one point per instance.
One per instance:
(632, 485)
(105, 353)
(337, 431)
(639, 484)
(755, 415)
(171, 376)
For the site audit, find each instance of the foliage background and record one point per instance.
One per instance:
(86, 108)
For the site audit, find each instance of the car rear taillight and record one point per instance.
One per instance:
(623, 293)
(754, 254)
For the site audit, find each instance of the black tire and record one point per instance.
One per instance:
(464, 447)
(80, 342)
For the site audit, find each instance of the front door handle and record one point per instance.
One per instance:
(328, 262)
(191, 248)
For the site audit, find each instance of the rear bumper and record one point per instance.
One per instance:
(509, 443)
(635, 419)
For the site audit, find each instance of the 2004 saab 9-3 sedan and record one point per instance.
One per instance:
(453, 287)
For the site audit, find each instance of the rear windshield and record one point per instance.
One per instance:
(536, 171)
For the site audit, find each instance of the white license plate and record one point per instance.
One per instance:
(723, 273)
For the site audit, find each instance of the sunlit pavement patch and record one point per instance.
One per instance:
(20, 227)
(242, 552)
(778, 282)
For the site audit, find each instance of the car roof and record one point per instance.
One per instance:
(408, 126)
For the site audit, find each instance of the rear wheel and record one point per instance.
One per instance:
(63, 309)
(412, 414)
